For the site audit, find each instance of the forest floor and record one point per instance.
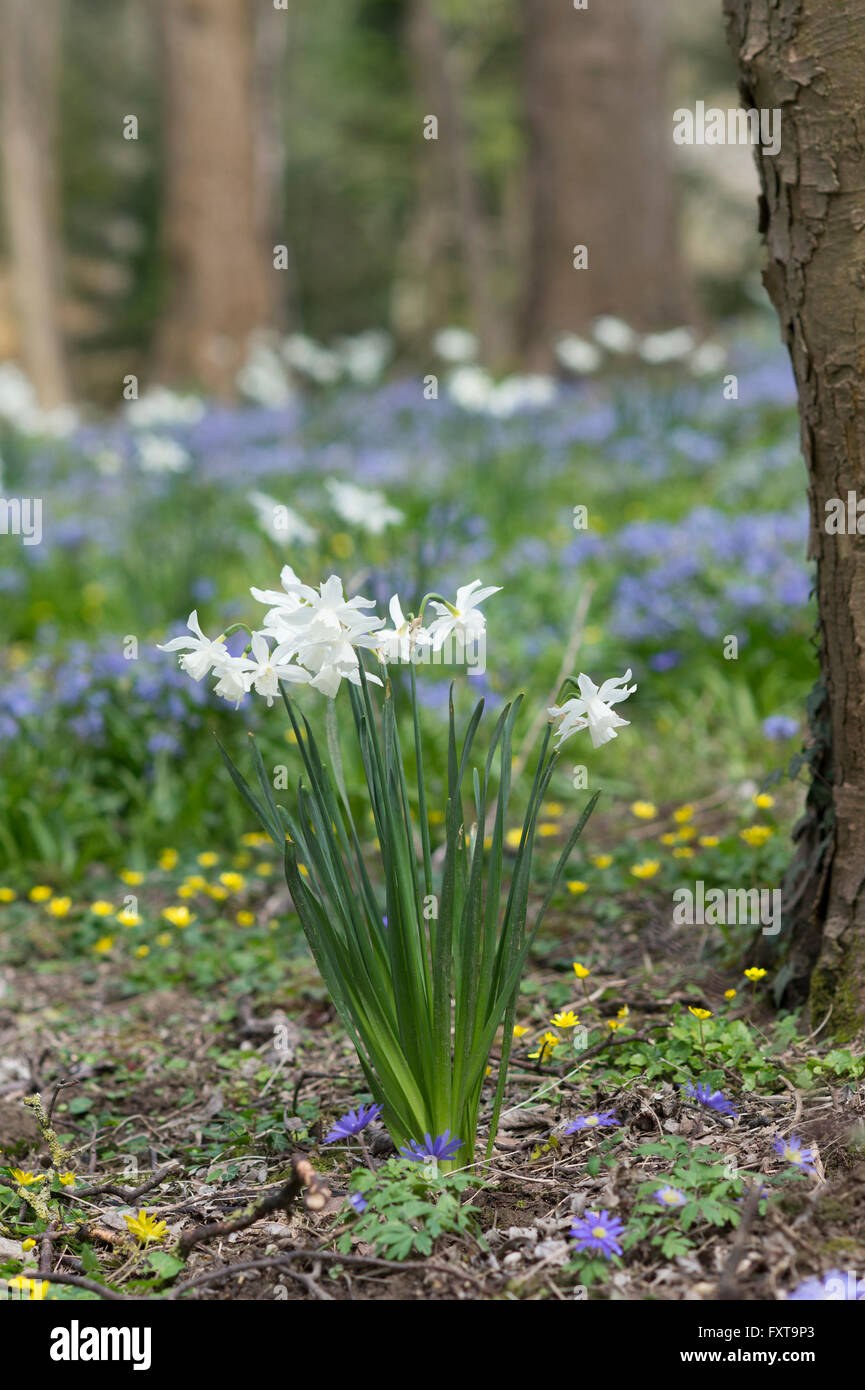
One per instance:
(196, 1105)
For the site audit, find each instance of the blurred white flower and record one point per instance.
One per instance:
(577, 355)
(157, 453)
(159, 406)
(364, 507)
(708, 357)
(592, 710)
(455, 345)
(614, 334)
(365, 356)
(521, 393)
(280, 522)
(463, 617)
(306, 356)
(471, 387)
(202, 653)
(263, 378)
(671, 346)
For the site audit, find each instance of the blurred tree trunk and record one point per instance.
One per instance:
(271, 46)
(31, 55)
(807, 58)
(440, 88)
(599, 171)
(220, 266)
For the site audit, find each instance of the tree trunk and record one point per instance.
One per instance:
(599, 171)
(440, 88)
(220, 266)
(807, 58)
(31, 52)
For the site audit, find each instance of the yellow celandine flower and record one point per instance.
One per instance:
(58, 907)
(7, 895)
(302, 869)
(264, 870)
(668, 838)
(565, 1018)
(254, 838)
(513, 838)
(28, 1245)
(756, 835)
(164, 938)
(178, 915)
(168, 859)
(196, 882)
(25, 1178)
(700, 1013)
(101, 908)
(132, 876)
(548, 1044)
(68, 1178)
(216, 892)
(127, 918)
(40, 894)
(576, 885)
(33, 1289)
(184, 891)
(234, 882)
(644, 810)
(555, 808)
(104, 945)
(709, 841)
(245, 918)
(145, 1227)
(488, 842)
(208, 858)
(519, 1030)
(291, 737)
(686, 833)
(580, 970)
(754, 974)
(685, 852)
(647, 868)
(436, 817)
(142, 951)
(614, 1023)
(683, 813)
(763, 800)
(624, 1011)
(602, 861)
(547, 828)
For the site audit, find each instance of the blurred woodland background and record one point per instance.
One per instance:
(183, 176)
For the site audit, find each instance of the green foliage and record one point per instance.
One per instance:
(408, 1207)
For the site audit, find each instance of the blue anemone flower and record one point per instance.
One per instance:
(670, 1197)
(353, 1122)
(833, 1287)
(358, 1201)
(795, 1153)
(596, 1120)
(597, 1230)
(442, 1147)
(713, 1100)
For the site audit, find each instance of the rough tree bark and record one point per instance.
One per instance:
(439, 86)
(220, 268)
(807, 57)
(599, 171)
(31, 51)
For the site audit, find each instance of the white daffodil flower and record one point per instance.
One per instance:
(592, 710)
(268, 668)
(202, 654)
(462, 617)
(326, 615)
(334, 662)
(233, 681)
(284, 601)
(398, 643)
